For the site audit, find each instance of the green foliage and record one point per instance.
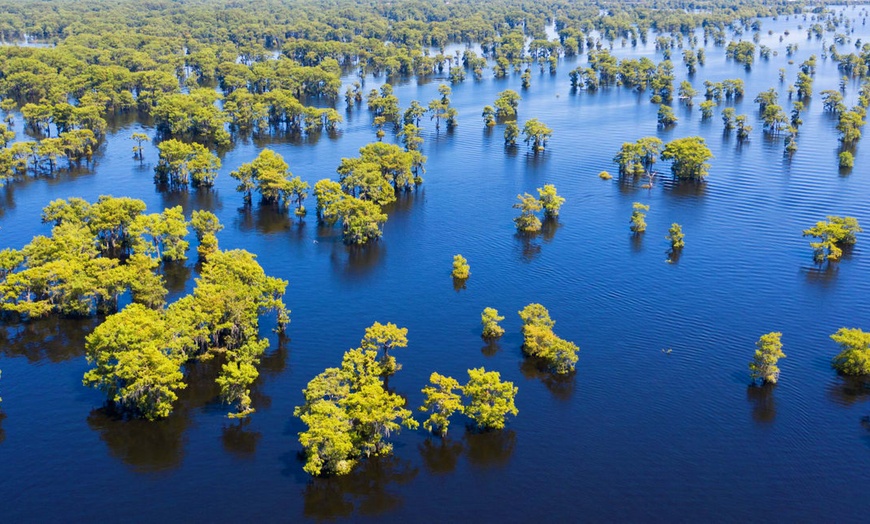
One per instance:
(133, 362)
(181, 163)
(461, 269)
(850, 125)
(490, 400)
(161, 235)
(442, 401)
(666, 116)
(767, 353)
(271, 176)
(73, 272)
(675, 236)
(137, 354)
(638, 224)
(382, 170)
(348, 412)
(854, 357)
(689, 157)
(832, 235)
(707, 108)
(537, 134)
(382, 338)
(846, 160)
(194, 114)
(490, 319)
(638, 158)
(528, 221)
(550, 201)
(489, 116)
(742, 52)
(506, 104)
(511, 133)
(206, 226)
(541, 342)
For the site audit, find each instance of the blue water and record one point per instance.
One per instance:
(637, 434)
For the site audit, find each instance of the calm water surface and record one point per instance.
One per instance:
(636, 434)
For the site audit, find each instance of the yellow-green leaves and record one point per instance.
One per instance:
(833, 235)
(461, 269)
(133, 364)
(637, 222)
(490, 400)
(541, 342)
(490, 319)
(442, 401)
(854, 359)
(768, 351)
(347, 410)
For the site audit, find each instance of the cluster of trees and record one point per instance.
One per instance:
(540, 342)
(833, 235)
(270, 176)
(95, 253)
(374, 179)
(548, 201)
(349, 413)
(36, 157)
(689, 157)
(183, 163)
(138, 354)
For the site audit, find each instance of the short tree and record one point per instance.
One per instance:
(461, 269)
(442, 401)
(490, 400)
(490, 319)
(854, 357)
(666, 116)
(511, 133)
(833, 235)
(537, 133)
(550, 200)
(675, 236)
(528, 221)
(768, 351)
(689, 156)
(638, 224)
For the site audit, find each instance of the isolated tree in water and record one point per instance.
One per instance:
(767, 353)
(490, 400)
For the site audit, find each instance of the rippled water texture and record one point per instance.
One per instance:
(638, 434)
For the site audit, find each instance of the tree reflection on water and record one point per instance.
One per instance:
(763, 403)
(365, 491)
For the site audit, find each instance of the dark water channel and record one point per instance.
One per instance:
(637, 434)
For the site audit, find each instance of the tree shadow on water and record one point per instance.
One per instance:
(53, 338)
(366, 491)
(146, 446)
(440, 455)
(762, 401)
(490, 449)
(847, 391)
(562, 387)
(529, 249)
(824, 275)
(353, 261)
(238, 440)
(491, 348)
(265, 218)
(549, 226)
